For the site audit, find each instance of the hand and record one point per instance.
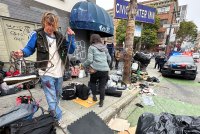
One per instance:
(70, 31)
(17, 54)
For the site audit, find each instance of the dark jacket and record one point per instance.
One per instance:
(38, 40)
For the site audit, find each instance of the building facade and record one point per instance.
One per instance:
(165, 10)
(182, 13)
(20, 17)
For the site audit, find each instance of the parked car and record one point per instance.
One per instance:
(180, 65)
(195, 55)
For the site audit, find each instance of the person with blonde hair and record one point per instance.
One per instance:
(52, 48)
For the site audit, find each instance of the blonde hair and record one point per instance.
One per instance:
(51, 19)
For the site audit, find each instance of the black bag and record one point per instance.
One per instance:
(69, 92)
(167, 123)
(112, 91)
(29, 85)
(43, 124)
(82, 91)
(141, 57)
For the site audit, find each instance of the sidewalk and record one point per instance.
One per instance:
(73, 111)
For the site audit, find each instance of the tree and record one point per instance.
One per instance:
(149, 33)
(121, 31)
(187, 32)
(129, 39)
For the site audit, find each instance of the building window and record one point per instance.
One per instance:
(165, 21)
(163, 10)
(161, 35)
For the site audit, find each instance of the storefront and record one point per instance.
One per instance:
(87, 18)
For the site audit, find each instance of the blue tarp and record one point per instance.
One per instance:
(89, 16)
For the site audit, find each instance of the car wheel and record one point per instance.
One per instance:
(193, 77)
(164, 75)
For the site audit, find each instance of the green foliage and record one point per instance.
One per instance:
(149, 33)
(187, 31)
(121, 31)
(149, 38)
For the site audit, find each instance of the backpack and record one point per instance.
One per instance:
(82, 91)
(69, 92)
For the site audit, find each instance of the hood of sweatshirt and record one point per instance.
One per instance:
(101, 47)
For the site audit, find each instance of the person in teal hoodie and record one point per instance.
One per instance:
(98, 59)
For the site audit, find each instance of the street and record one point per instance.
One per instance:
(180, 89)
(173, 95)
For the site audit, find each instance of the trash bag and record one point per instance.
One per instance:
(142, 58)
(167, 123)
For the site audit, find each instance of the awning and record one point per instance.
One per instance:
(89, 16)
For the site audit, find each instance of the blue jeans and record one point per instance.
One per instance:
(52, 88)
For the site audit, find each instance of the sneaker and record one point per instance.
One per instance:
(94, 98)
(62, 124)
(101, 103)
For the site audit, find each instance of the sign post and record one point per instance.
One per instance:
(132, 12)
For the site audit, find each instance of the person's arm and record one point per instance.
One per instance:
(90, 58)
(71, 43)
(29, 49)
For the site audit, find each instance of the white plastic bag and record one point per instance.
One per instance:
(134, 66)
(81, 74)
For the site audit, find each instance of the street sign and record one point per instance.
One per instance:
(144, 13)
(138, 31)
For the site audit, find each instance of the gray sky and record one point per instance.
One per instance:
(193, 11)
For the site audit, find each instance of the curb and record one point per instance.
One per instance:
(111, 111)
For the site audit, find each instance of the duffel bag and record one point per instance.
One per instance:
(44, 124)
(82, 91)
(69, 92)
(112, 91)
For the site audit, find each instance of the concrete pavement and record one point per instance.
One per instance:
(73, 111)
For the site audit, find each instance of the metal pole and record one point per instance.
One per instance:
(140, 43)
(168, 36)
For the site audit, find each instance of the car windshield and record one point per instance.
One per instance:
(179, 59)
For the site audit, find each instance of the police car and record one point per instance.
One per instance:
(180, 65)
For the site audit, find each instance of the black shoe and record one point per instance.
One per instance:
(94, 98)
(101, 103)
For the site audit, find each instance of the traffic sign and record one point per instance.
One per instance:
(144, 13)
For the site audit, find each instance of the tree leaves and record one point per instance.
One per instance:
(187, 32)
(149, 33)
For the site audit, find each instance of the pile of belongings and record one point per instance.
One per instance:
(153, 79)
(116, 81)
(115, 85)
